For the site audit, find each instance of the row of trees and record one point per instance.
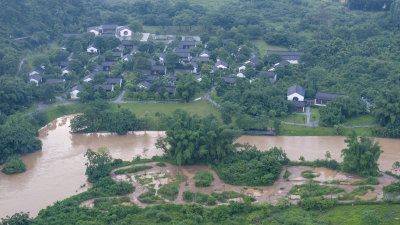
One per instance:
(99, 117)
(191, 139)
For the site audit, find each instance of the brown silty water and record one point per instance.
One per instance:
(315, 147)
(58, 170)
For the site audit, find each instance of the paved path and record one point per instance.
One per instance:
(145, 37)
(21, 63)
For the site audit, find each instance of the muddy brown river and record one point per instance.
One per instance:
(58, 170)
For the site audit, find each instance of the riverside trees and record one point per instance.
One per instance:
(193, 139)
(361, 156)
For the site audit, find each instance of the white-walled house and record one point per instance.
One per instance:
(91, 49)
(124, 31)
(296, 93)
(75, 91)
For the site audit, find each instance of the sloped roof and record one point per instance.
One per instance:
(78, 88)
(113, 80)
(296, 89)
(145, 84)
(229, 80)
(327, 96)
(286, 55)
(107, 87)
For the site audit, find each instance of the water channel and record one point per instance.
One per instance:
(58, 170)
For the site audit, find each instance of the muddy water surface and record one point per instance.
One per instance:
(58, 170)
(315, 147)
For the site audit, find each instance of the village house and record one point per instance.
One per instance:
(91, 49)
(114, 81)
(322, 98)
(296, 93)
(291, 57)
(75, 91)
(144, 84)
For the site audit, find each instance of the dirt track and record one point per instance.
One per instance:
(269, 194)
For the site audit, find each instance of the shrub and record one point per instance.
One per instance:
(320, 203)
(149, 197)
(161, 164)
(201, 198)
(188, 196)
(312, 189)
(309, 174)
(360, 191)
(286, 175)
(204, 178)
(252, 167)
(169, 191)
(133, 169)
(211, 200)
(14, 165)
(222, 197)
(394, 188)
(369, 180)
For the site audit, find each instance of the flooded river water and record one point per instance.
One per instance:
(58, 170)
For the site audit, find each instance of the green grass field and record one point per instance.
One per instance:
(350, 215)
(295, 118)
(314, 114)
(201, 108)
(263, 47)
(295, 130)
(360, 120)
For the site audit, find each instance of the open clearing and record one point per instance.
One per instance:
(157, 176)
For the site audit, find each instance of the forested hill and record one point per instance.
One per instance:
(346, 51)
(26, 24)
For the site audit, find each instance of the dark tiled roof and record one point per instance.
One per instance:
(158, 68)
(271, 74)
(299, 104)
(144, 84)
(54, 80)
(107, 87)
(327, 96)
(113, 80)
(151, 78)
(146, 72)
(182, 71)
(181, 50)
(201, 59)
(296, 89)
(36, 77)
(77, 87)
(109, 27)
(229, 80)
(108, 35)
(108, 63)
(286, 55)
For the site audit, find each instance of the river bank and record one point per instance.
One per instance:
(58, 170)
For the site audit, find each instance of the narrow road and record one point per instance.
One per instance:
(21, 63)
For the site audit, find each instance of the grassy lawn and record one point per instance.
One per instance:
(296, 130)
(314, 114)
(263, 47)
(295, 118)
(201, 108)
(360, 120)
(350, 215)
(55, 112)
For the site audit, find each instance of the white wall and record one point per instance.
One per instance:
(74, 94)
(299, 97)
(127, 31)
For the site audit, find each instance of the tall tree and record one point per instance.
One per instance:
(361, 155)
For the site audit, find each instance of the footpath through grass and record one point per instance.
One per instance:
(263, 47)
(201, 108)
(350, 215)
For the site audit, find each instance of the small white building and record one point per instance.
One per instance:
(124, 31)
(75, 91)
(241, 75)
(91, 49)
(296, 93)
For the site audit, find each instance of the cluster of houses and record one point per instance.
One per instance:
(36, 76)
(189, 63)
(297, 93)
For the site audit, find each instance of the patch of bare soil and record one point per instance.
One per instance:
(157, 176)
